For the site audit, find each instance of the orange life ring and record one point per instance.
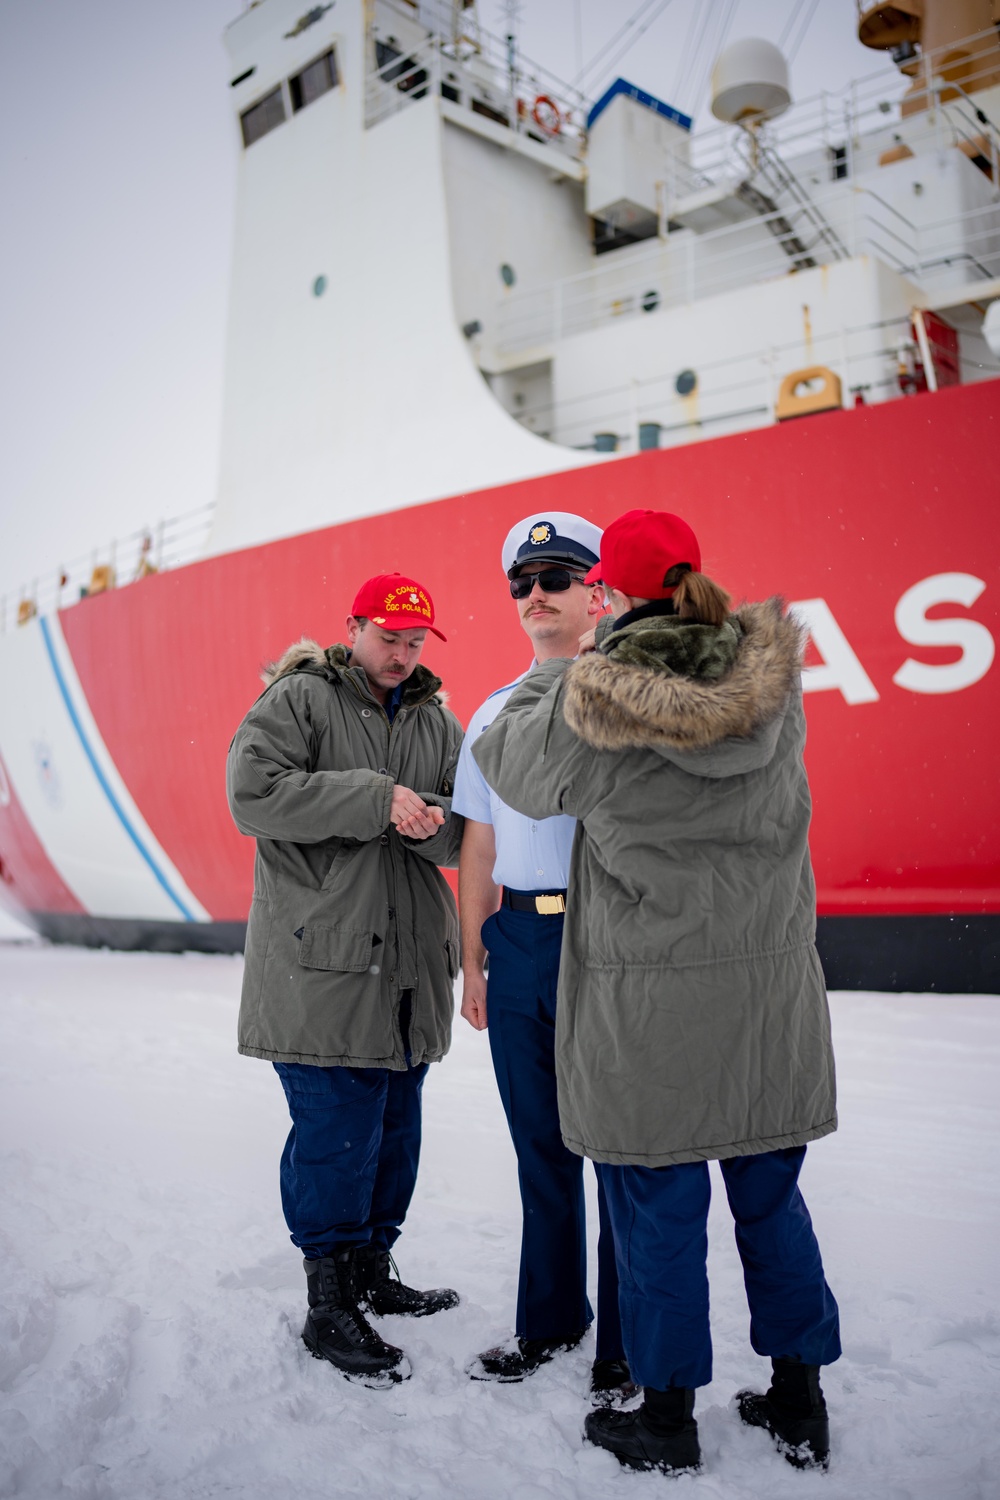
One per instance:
(546, 115)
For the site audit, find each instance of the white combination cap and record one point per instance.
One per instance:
(555, 535)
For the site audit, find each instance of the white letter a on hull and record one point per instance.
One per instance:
(841, 667)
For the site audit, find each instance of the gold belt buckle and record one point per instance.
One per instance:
(550, 906)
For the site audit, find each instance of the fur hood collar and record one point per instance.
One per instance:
(677, 685)
(334, 664)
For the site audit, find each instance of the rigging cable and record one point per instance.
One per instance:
(598, 57)
(789, 25)
(657, 13)
(695, 27)
(794, 49)
(714, 52)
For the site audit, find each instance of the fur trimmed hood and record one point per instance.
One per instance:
(743, 674)
(307, 655)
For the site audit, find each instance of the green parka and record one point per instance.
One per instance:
(692, 1021)
(346, 914)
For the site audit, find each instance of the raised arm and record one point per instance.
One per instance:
(530, 756)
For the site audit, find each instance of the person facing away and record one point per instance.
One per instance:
(545, 559)
(343, 772)
(692, 1020)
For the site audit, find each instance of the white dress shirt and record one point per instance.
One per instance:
(532, 853)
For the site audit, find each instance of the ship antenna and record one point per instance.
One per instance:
(512, 14)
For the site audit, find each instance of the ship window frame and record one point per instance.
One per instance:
(332, 80)
(839, 161)
(254, 109)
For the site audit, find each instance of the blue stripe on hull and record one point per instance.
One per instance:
(105, 785)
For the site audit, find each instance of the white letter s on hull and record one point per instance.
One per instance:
(978, 647)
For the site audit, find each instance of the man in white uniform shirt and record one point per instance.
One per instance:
(512, 887)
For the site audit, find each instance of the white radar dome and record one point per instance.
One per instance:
(750, 82)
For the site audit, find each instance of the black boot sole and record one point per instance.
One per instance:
(376, 1378)
(382, 1310)
(616, 1395)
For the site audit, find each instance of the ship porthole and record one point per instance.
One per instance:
(650, 300)
(319, 286)
(685, 382)
(507, 274)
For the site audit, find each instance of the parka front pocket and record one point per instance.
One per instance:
(345, 949)
(342, 857)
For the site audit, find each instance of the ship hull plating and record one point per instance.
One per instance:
(117, 713)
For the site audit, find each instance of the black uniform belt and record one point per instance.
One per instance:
(545, 903)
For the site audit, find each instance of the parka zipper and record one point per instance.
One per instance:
(394, 918)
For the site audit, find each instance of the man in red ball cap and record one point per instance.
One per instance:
(343, 772)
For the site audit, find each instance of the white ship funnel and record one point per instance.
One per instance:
(750, 82)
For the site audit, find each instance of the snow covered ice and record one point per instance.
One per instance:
(150, 1302)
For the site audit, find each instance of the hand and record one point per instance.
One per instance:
(474, 998)
(588, 642)
(421, 825)
(405, 804)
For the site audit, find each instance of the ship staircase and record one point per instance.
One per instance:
(770, 181)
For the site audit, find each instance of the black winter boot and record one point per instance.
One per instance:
(793, 1412)
(662, 1434)
(508, 1363)
(336, 1328)
(384, 1293)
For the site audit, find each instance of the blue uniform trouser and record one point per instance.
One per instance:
(350, 1162)
(660, 1218)
(521, 1011)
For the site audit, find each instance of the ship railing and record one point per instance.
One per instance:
(973, 129)
(685, 267)
(737, 392)
(838, 134)
(171, 543)
(820, 132)
(478, 72)
(942, 255)
(957, 68)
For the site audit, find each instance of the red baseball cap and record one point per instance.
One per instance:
(639, 549)
(396, 603)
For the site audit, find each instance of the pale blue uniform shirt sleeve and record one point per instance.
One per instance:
(533, 854)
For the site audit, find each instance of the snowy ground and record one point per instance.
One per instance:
(150, 1302)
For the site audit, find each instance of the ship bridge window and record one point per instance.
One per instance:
(263, 116)
(319, 77)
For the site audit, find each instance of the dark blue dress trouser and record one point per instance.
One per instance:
(660, 1217)
(350, 1162)
(521, 1009)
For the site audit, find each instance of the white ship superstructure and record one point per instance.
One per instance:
(431, 235)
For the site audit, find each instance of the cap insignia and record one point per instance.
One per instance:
(408, 601)
(539, 535)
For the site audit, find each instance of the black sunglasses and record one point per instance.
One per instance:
(550, 580)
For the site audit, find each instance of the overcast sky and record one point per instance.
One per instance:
(118, 154)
